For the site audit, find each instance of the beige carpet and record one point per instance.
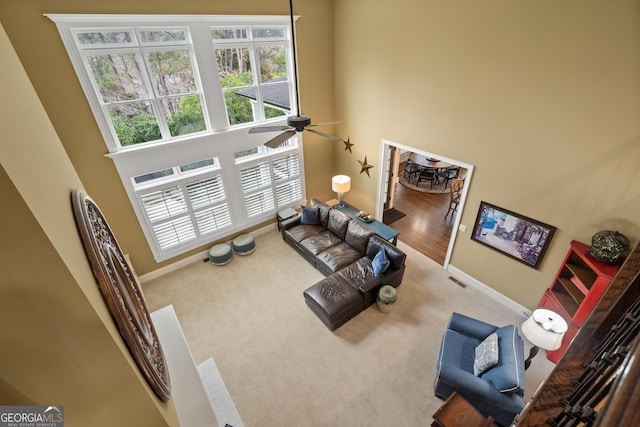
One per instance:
(283, 367)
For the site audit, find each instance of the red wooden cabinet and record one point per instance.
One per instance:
(576, 289)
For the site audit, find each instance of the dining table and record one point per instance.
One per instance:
(429, 162)
(430, 168)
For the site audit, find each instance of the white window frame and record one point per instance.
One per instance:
(220, 141)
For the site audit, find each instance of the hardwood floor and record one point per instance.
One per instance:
(424, 227)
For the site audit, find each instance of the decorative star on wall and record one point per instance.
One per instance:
(347, 145)
(365, 166)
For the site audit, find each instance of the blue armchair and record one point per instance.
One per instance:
(498, 391)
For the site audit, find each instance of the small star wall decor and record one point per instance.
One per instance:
(347, 145)
(365, 166)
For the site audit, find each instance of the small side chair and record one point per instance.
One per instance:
(455, 192)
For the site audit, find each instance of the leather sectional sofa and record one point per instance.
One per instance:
(355, 260)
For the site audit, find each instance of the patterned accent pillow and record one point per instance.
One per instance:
(486, 355)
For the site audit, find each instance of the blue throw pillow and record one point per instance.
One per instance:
(380, 262)
(309, 216)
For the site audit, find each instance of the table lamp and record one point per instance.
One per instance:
(341, 184)
(544, 329)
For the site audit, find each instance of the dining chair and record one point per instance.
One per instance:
(448, 174)
(411, 170)
(427, 174)
(455, 192)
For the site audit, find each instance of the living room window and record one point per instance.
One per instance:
(174, 97)
(145, 82)
(253, 72)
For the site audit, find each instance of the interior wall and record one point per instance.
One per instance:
(38, 45)
(542, 97)
(60, 344)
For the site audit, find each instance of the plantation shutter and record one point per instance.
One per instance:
(286, 172)
(207, 198)
(168, 214)
(256, 187)
(185, 212)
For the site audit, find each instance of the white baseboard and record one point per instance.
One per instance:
(506, 301)
(197, 257)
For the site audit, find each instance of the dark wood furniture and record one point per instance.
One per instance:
(577, 287)
(619, 406)
(427, 162)
(457, 412)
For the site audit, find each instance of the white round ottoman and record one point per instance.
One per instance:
(220, 254)
(244, 244)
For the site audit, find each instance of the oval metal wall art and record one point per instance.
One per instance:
(122, 293)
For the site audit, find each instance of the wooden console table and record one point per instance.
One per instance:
(382, 230)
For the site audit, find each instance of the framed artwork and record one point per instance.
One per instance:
(516, 236)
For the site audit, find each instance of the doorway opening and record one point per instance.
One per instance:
(428, 225)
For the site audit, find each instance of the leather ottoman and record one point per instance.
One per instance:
(334, 301)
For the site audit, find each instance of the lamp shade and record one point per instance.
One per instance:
(545, 329)
(341, 183)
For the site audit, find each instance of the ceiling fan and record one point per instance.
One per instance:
(297, 123)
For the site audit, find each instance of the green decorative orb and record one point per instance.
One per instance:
(609, 247)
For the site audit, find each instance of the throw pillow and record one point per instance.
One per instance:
(508, 375)
(309, 216)
(380, 262)
(486, 355)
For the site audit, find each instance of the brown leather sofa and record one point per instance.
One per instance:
(342, 249)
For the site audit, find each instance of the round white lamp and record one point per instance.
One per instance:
(544, 329)
(341, 184)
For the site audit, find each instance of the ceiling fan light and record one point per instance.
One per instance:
(299, 122)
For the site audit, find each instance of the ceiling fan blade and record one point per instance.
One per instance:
(261, 129)
(324, 124)
(325, 135)
(275, 142)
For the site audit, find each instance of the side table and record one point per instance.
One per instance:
(284, 215)
(457, 412)
(382, 230)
